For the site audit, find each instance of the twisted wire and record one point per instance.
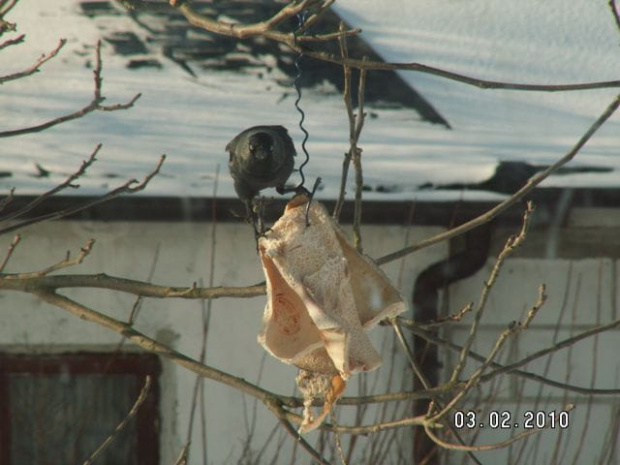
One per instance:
(301, 18)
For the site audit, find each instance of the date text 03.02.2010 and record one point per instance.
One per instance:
(494, 419)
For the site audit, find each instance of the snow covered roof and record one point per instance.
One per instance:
(191, 118)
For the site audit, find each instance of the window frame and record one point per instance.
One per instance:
(89, 363)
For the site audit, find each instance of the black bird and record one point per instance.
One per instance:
(260, 157)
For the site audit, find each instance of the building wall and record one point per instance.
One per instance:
(178, 254)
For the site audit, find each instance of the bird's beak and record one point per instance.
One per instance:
(262, 155)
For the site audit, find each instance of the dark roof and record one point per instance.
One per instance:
(197, 51)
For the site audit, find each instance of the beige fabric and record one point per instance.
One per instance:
(322, 295)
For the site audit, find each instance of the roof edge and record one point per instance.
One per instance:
(194, 209)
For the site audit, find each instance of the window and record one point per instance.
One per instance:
(59, 408)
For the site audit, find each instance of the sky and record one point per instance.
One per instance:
(191, 119)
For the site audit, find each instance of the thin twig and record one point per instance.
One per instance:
(514, 368)
(357, 162)
(206, 318)
(290, 10)
(182, 458)
(35, 68)
(452, 318)
(8, 199)
(514, 328)
(615, 13)
(130, 187)
(477, 448)
(511, 244)
(538, 396)
(409, 353)
(69, 182)
(10, 251)
(6, 26)
(475, 377)
(17, 40)
(6, 6)
(554, 348)
(301, 441)
(137, 305)
(346, 93)
(338, 441)
(139, 401)
(96, 104)
(424, 381)
(531, 314)
(329, 36)
(243, 31)
(356, 123)
(375, 428)
(314, 17)
(262, 29)
(65, 263)
(512, 200)
(453, 76)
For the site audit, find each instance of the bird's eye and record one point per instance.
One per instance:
(252, 148)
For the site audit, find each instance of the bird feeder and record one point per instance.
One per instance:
(322, 298)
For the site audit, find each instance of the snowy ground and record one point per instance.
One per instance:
(191, 120)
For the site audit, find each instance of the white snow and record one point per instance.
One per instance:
(191, 120)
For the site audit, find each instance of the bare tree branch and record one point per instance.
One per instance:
(315, 16)
(265, 29)
(357, 162)
(14, 282)
(475, 82)
(375, 428)
(35, 68)
(280, 413)
(130, 187)
(132, 413)
(356, 123)
(65, 184)
(511, 244)
(415, 367)
(513, 199)
(67, 262)
(95, 105)
(270, 399)
(555, 347)
(10, 251)
(514, 368)
(452, 318)
(346, 162)
(424, 381)
(182, 458)
(7, 200)
(17, 40)
(615, 13)
(206, 318)
(5, 7)
(151, 345)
